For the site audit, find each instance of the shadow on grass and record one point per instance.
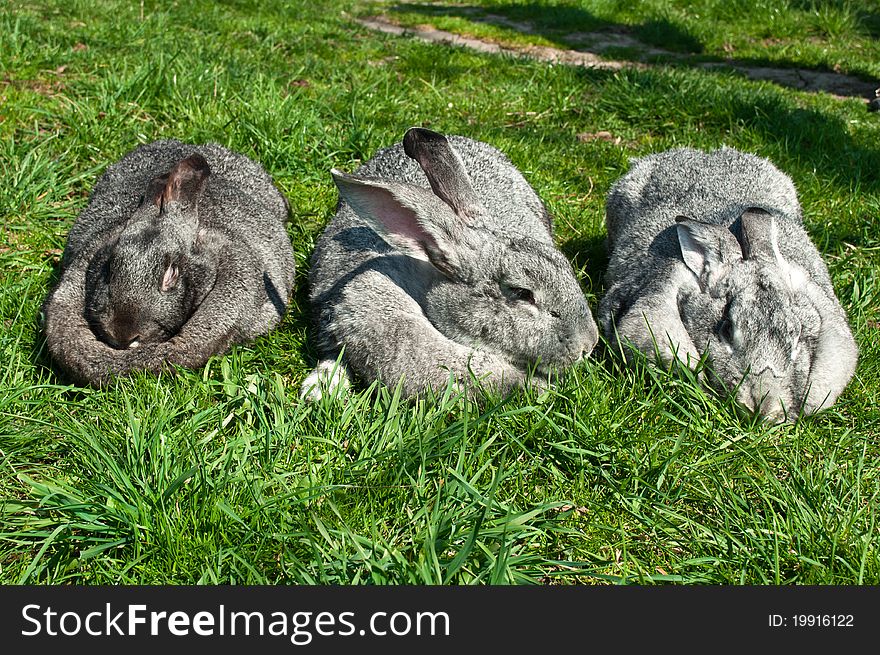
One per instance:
(657, 40)
(816, 148)
(815, 144)
(39, 353)
(570, 26)
(590, 254)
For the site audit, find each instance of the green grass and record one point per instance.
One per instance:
(837, 35)
(616, 475)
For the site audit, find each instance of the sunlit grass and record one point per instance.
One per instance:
(617, 475)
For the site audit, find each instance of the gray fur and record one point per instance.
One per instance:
(181, 252)
(437, 292)
(709, 257)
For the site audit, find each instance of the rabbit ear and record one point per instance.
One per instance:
(155, 190)
(444, 169)
(759, 234)
(409, 217)
(760, 240)
(186, 181)
(708, 249)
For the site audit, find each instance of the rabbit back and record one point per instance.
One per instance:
(240, 202)
(709, 255)
(714, 187)
(417, 310)
(239, 268)
(498, 182)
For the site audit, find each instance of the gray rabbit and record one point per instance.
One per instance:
(181, 252)
(440, 260)
(709, 257)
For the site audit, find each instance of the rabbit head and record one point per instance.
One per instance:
(510, 293)
(142, 287)
(750, 312)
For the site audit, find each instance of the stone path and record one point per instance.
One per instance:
(803, 79)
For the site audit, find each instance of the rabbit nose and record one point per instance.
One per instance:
(123, 338)
(124, 343)
(577, 349)
(767, 401)
(587, 344)
(771, 409)
(130, 340)
(125, 328)
(766, 404)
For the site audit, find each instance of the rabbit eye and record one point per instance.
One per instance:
(725, 330)
(525, 295)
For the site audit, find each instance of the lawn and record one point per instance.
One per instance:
(616, 475)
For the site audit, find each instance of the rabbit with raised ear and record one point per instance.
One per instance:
(709, 259)
(440, 261)
(181, 252)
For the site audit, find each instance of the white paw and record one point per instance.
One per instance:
(328, 378)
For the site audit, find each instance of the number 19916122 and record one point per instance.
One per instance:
(811, 621)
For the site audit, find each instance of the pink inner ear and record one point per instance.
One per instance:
(692, 250)
(399, 222)
(170, 277)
